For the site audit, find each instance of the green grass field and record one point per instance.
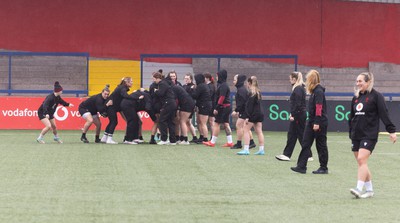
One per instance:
(76, 182)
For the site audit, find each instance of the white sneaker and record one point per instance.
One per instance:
(111, 141)
(355, 192)
(57, 139)
(282, 158)
(40, 140)
(310, 159)
(104, 139)
(130, 143)
(163, 143)
(367, 194)
(184, 143)
(172, 144)
(138, 141)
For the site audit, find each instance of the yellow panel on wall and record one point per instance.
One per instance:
(102, 72)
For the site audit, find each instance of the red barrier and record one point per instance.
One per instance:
(21, 113)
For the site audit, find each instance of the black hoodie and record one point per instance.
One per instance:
(223, 92)
(202, 92)
(241, 96)
(165, 92)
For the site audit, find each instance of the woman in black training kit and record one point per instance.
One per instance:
(367, 108)
(46, 112)
(168, 110)
(130, 109)
(316, 127)
(89, 110)
(116, 97)
(298, 116)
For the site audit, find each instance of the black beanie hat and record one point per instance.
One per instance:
(57, 87)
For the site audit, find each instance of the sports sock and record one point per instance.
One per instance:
(229, 138)
(261, 148)
(246, 148)
(360, 185)
(214, 139)
(368, 186)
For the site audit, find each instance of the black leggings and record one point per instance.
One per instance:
(113, 120)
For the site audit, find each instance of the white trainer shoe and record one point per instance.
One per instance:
(110, 141)
(163, 143)
(184, 143)
(355, 192)
(282, 158)
(138, 141)
(40, 140)
(367, 194)
(57, 139)
(104, 139)
(130, 142)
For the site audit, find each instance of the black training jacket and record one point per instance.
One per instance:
(165, 92)
(298, 100)
(241, 95)
(118, 94)
(253, 106)
(182, 96)
(94, 104)
(317, 109)
(366, 110)
(50, 104)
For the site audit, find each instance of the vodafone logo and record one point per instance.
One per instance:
(61, 115)
(359, 107)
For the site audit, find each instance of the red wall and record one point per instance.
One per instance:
(328, 33)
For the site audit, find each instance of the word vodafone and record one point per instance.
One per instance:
(61, 113)
(19, 113)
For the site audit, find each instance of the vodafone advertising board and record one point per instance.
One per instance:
(21, 113)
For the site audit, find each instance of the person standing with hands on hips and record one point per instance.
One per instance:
(46, 112)
(316, 127)
(367, 108)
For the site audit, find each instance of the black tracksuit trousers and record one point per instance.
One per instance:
(308, 140)
(296, 131)
(132, 124)
(166, 123)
